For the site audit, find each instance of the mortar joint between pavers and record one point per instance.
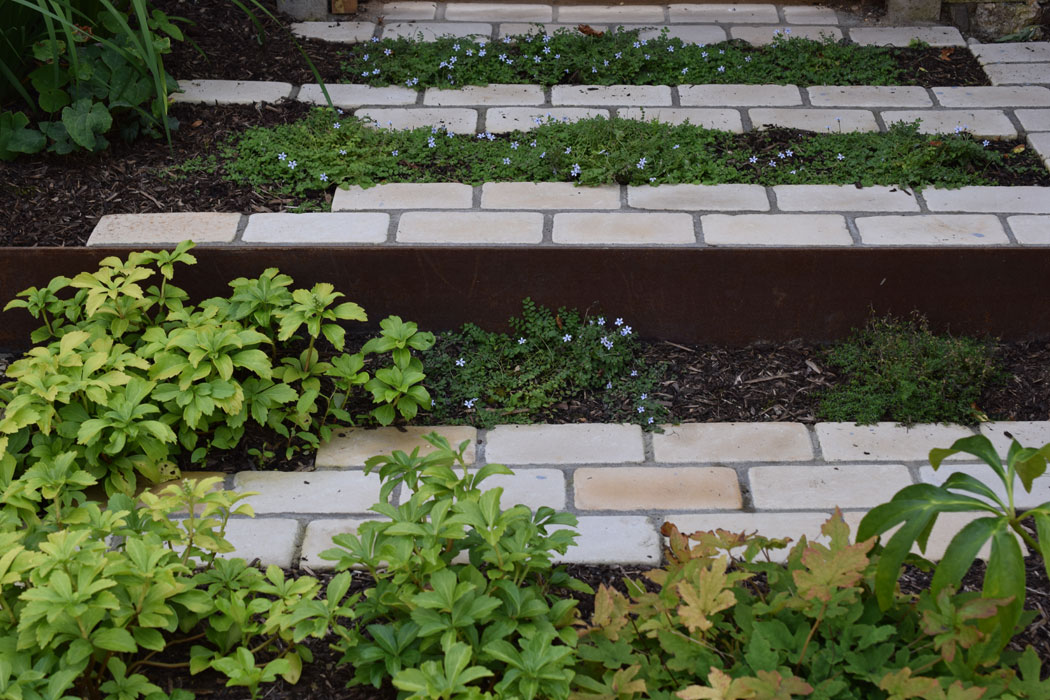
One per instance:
(1011, 115)
(297, 542)
(483, 119)
(475, 198)
(625, 204)
(480, 445)
(569, 480)
(391, 232)
(439, 13)
(1004, 220)
(294, 94)
(647, 448)
(242, 223)
(774, 203)
(924, 208)
(814, 440)
(746, 125)
(698, 229)
(547, 237)
(854, 233)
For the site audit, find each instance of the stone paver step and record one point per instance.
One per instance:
(780, 479)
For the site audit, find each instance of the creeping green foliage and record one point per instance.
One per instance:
(549, 357)
(463, 586)
(915, 509)
(313, 154)
(128, 375)
(716, 623)
(618, 57)
(897, 370)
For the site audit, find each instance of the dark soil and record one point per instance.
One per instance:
(326, 678)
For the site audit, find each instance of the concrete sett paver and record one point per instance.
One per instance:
(270, 540)
(336, 32)
(231, 92)
(1012, 200)
(502, 120)
(713, 118)
(995, 96)
(352, 96)
(495, 12)
(884, 441)
(548, 195)
(602, 95)
(868, 96)
(982, 123)
(763, 36)
(1021, 52)
(732, 442)
(785, 487)
(317, 227)
(699, 197)
(398, 195)
(814, 119)
(161, 229)
(739, 95)
(564, 444)
(1030, 229)
(902, 36)
(350, 447)
(485, 95)
(623, 228)
(944, 229)
(309, 492)
(775, 230)
(1018, 73)
(844, 198)
(651, 488)
(1028, 433)
(470, 227)
(724, 13)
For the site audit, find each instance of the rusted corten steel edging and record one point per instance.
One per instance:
(723, 296)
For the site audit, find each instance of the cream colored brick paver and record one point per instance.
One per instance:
(724, 13)
(732, 442)
(843, 198)
(983, 473)
(617, 14)
(945, 528)
(485, 95)
(1019, 200)
(1018, 52)
(564, 444)
(644, 488)
(500, 120)
(623, 228)
(164, 229)
(458, 121)
(534, 488)
(868, 96)
(884, 442)
(231, 92)
(309, 492)
(775, 230)
(932, 229)
(317, 227)
(989, 123)
(470, 227)
(1034, 119)
(822, 120)
(763, 36)
(497, 12)
(1034, 433)
(902, 36)
(600, 95)
(1018, 73)
(772, 525)
(409, 10)
(699, 197)
(721, 119)
(1041, 144)
(548, 195)
(351, 96)
(350, 447)
(993, 96)
(614, 539)
(1030, 230)
(518, 28)
(796, 487)
(404, 195)
(810, 14)
(429, 31)
(318, 538)
(688, 33)
(739, 95)
(335, 32)
(270, 540)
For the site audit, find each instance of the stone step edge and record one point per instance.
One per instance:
(286, 539)
(561, 214)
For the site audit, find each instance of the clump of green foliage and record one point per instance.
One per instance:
(898, 370)
(326, 149)
(91, 594)
(127, 377)
(618, 57)
(716, 623)
(464, 604)
(549, 358)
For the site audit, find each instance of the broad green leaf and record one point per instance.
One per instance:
(114, 639)
(1030, 464)
(962, 551)
(1005, 577)
(86, 122)
(977, 445)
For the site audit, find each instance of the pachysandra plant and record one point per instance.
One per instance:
(128, 375)
(915, 508)
(462, 606)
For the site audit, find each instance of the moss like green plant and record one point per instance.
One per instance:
(898, 370)
(326, 149)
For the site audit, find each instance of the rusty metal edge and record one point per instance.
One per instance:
(721, 296)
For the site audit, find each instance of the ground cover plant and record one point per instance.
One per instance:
(898, 370)
(549, 357)
(616, 57)
(128, 377)
(327, 148)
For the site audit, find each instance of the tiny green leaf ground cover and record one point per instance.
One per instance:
(619, 57)
(326, 149)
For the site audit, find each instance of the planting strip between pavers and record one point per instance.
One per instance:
(781, 479)
(561, 214)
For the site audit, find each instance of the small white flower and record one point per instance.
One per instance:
(601, 320)
(643, 397)
(342, 151)
(651, 419)
(394, 152)
(514, 145)
(336, 125)
(634, 373)
(566, 338)
(641, 164)
(387, 52)
(282, 156)
(469, 403)
(324, 177)
(752, 160)
(575, 168)
(721, 69)
(292, 164)
(789, 153)
(618, 322)
(506, 161)
(675, 147)
(460, 362)
(608, 385)
(625, 331)
(641, 409)
(840, 157)
(986, 143)
(521, 341)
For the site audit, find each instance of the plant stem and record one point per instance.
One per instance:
(812, 630)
